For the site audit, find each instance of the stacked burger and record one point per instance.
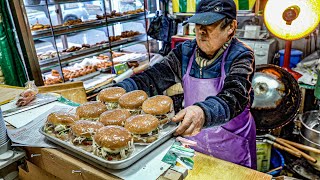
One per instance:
(58, 124)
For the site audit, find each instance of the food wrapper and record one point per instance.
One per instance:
(28, 95)
(181, 154)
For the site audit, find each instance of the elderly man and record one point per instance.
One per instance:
(215, 70)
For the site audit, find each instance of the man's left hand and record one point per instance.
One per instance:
(192, 118)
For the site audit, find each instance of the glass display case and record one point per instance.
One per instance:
(72, 40)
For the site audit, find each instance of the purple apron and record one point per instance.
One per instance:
(235, 141)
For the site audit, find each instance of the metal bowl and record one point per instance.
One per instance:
(310, 126)
(307, 142)
(277, 97)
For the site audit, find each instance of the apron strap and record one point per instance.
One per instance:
(223, 73)
(190, 63)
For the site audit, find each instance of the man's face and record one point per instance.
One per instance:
(210, 38)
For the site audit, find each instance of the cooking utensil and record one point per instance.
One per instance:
(277, 97)
(301, 146)
(276, 145)
(307, 142)
(306, 156)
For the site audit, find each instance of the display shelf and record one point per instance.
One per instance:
(86, 25)
(54, 2)
(48, 64)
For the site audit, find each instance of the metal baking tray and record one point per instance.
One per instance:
(55, 59)
(87, 76)
(139, 152)
(123, 18)
(85, 24)
(45, 31)
(135, 38)
(84, 51)
(120, 42)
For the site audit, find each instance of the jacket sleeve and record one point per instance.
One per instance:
(159, 77)
(235, 94)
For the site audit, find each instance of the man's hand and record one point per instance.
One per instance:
(192, 119)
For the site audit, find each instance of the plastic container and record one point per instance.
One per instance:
(295, 57)
(263, 155)
(277, 160)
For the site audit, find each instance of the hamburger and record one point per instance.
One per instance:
(114, 117)
(160, 106)
(110, 96)
(133, 101)
(82, 132)
(58, 124)
(144, 128)
(113, 143)
(91, 110)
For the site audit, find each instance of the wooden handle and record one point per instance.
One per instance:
(141, 68)
(301, 146)
(306, 156)
(276, 145)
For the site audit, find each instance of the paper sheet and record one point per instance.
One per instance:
(29, 135)
(23, 118)
(149, 167)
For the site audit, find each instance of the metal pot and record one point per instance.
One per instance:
(276, 97)
(310, 126)
(307, 142)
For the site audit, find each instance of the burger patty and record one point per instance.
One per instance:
(112, 105)
(135, 111)
(113, 154)
(153, 135)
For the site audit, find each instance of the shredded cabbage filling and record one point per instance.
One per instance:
(113, 154)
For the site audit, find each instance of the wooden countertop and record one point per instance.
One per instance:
(62, 165)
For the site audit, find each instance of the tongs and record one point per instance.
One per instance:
(291, 147)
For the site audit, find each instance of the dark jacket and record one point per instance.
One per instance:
(230, 102)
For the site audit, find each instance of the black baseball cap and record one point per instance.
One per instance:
(211, 11)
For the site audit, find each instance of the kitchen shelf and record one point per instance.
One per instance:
(63, 30)
(54, 2)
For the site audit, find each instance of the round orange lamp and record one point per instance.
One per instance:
(291, 20)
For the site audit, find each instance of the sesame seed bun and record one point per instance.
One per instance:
(85, 128)
(133, 99)
(91, 110)
(157, 105)
(111, 94)
(113, 137)
(142, 124)
(114, 117)
(61, 118)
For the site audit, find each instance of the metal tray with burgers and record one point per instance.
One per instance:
(117, 144)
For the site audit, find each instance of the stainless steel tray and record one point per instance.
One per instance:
(139, 152)
(84, 51)
(137, 37)
(55, 59)
(85, 24)
(123, 18)
(45, 31)
(87, 76)
(120, 42)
